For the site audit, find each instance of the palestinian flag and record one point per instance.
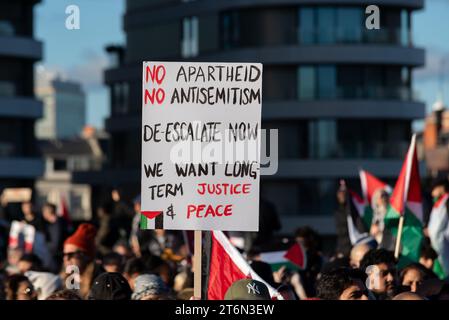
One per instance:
(406, 201)
(226, 266)
(370, 184)
(438, 226)
(356, 210)
(294, 258)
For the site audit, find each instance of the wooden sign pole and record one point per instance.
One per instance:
(399, 236)
(197, 264)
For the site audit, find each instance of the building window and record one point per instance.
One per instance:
(6, 28)
(331, 25)
(405, 28)
(230, 30)
(306, 82)
(307, 26)
(7, 89)
(351, 24)
(327, 82)
(189, 43)
(317, 82)
(59, 165)
(326, 26)
(119, 97)
(323, 139)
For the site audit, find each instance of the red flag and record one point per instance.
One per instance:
(407, 191)
(370, 184)
(64, 211)
(227, 266)
(297, 255)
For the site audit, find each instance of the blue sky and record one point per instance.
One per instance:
(80, 55)
(431, 31)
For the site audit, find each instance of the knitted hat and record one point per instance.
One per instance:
(84, 238)
(148, 284)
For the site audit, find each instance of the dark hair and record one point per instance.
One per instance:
(334, 264)
(413, 266)
(331, 284)
(12, 285)
(134, 265)
(253, 252)
(152, 262)
(65, 294)
(112, 258)
(312, 240)
(36, 262)
(51, 206)
(440, 182)
(427, 252)
(377, 256)
(263, 269)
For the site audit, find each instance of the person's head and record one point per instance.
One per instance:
(253, 254)
(137, 204)
(113, 262)
(287, 292)
(150, 287)
(439, 187)
(110, 286)
(185, 294)
(264, 271)
(115, 194)
(123, 249)
(79, 248)
(247, 289)
(428, 255)
(133, 268)
(381, 198)
(335, 263)
(434, 289)
(18, 287)
(65, 294)
(155, 264)
(104, 210)
(14, 255)
(44, 283)
(379, 264)
(412, 276)
(29, 262)
(342, 192)
(49, 212)
(309, 238)
(183, 280)
(408, 296)
(357, 253)
(27, 209)
(342, 284)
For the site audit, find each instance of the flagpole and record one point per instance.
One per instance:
(398, 238)
(197, 264)
(409, 159)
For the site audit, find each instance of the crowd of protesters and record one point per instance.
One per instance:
(112, 259)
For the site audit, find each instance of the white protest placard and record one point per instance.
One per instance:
(201, 126)
(10, 195)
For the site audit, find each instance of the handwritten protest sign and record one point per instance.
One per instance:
(10, 195)
(201, 145)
